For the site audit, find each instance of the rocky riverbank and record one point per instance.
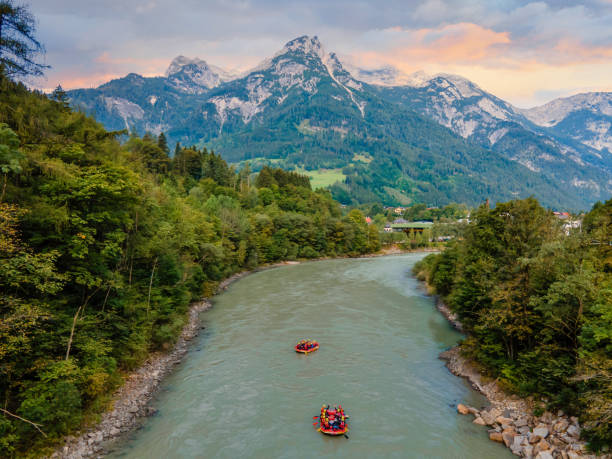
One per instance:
(511, 421)
(131, 401)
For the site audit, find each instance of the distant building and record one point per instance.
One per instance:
(368, 220)
(399, 210)
(562, 215)
(570, 225)
(407, 227)
(388, 228)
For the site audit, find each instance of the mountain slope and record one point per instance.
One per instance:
(586, 118)
(302, 108)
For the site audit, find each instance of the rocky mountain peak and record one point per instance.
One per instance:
(195, 75)
(306, 45)
(599, 103)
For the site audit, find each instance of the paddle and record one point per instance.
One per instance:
(346, 436)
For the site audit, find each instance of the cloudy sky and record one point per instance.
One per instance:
(525, 52)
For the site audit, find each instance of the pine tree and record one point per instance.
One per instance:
(60, 96)
(18, 46)
(162, 143)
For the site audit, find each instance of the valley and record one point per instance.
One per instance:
(303, 110)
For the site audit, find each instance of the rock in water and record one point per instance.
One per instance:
(462, 409)
(479, 421)
(508, 438)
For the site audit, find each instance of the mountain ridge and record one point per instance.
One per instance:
(302, 107)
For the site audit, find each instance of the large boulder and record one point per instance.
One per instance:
(544, 455)
(496, 436)
(504, 421)
(527, 451)
(541, 430)
(479, 421)
(573, 431)
(518, 443)
(487, 417)
(533, 438)
(521, 422)
(508, 438)
(462, 409)
(561, 425)
(542, 446)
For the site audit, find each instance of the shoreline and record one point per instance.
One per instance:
(130, 403)
(510, 419)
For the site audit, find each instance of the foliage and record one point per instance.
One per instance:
(18, 45)
(388, 154)
(103, 246)
(537, 304)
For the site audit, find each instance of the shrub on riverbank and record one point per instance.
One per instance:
(103, 246)
(537, 305)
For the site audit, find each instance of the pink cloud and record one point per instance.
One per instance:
(462, 42)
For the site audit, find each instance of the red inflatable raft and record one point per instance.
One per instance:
(334, 431)
(306, 350)
(336, 422)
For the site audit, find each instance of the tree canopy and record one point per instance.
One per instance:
(104, 245)
(537, 304)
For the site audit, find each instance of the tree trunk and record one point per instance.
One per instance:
(151, 285)
(74, 321)
(37, 426)
(3, 187)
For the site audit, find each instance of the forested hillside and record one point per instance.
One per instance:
(103, 246)
(537, 304)
(301, 109)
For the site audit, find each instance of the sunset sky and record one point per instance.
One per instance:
(524, 52)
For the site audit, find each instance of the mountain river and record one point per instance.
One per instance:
(242, 392)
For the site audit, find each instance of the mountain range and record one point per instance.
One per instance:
(385, 136)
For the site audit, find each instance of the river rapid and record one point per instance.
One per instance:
(242, 391)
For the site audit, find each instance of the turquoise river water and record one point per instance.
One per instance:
(242, 392)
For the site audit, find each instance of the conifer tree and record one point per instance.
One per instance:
(60, 96)
(162, 143)
(18, 46)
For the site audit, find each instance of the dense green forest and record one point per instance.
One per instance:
(104, 243)
(537, 305)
